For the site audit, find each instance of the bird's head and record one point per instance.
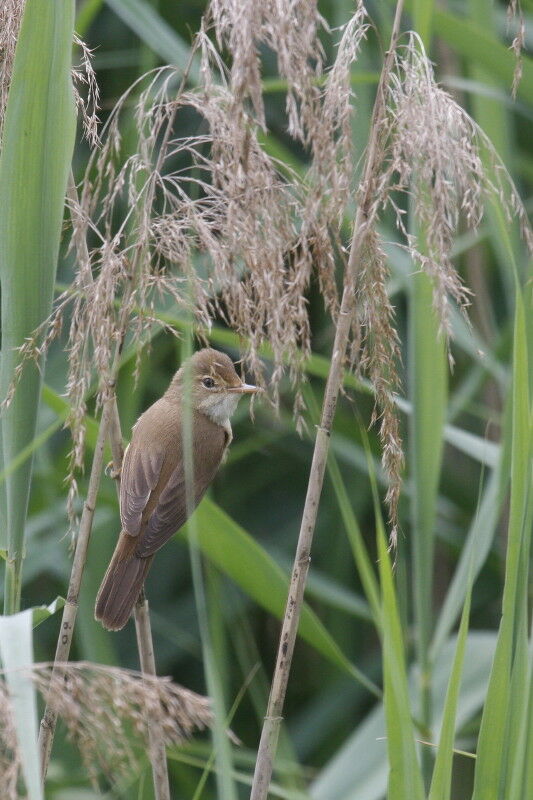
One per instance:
(213, 383)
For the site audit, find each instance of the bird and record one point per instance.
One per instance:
(154, 480)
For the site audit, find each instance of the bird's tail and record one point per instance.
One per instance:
(121, 585)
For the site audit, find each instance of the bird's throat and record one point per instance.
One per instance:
(219, 408)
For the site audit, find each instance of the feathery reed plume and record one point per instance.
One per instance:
(290, 31)
(432, 151)
(10, 17)
(84, 75)
(107, 712)
(516, 15)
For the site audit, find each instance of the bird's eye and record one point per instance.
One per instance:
(208, 383)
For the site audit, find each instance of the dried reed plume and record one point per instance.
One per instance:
(85, 76)
(433, 152)
(107, 712)
(515, 14)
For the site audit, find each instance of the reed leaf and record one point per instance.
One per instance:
(492, 742)
(34, 164)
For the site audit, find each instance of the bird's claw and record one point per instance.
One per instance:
(111, 472)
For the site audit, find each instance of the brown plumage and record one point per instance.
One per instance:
(153, 502)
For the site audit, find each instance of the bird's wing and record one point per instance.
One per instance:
(172, 509)
(141, 470)
(169, 514)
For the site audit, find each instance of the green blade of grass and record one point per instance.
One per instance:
(492, 735)
(476, 549)
(423, 19)
(527, 780)
(441, 780)
(492, 118)
(40, 613)
(152, 29)
(518, 716)
(34, 165)
(405, 778)
(357, 770)
(428, 391)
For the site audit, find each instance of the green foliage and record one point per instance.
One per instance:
(442, 626)
(35, 160)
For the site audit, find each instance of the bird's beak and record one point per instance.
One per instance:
(245, 388)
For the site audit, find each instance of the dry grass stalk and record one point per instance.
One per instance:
(108, 713)
(156, 737)
(70, 610)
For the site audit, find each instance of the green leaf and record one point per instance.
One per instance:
(468, 39)
(428, 392)
(442, 773)
(519, 716)
(16, 653)
(422, 18)
(40, 613)
(357, 770)
(493, 732)
(34, 165)
(405, 779)
(234, 551)
(152, 29)
(476, 549)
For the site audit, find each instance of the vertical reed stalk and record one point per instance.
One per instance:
(68, 620)
(272, 721)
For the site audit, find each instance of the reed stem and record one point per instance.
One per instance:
(273, 718)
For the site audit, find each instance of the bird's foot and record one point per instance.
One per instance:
(111, 472)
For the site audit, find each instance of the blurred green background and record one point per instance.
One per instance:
(331, 747)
